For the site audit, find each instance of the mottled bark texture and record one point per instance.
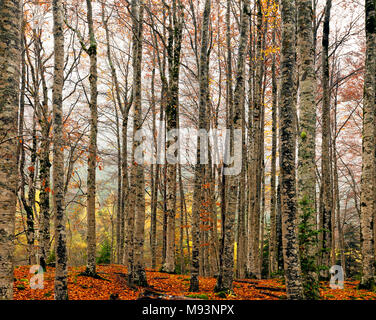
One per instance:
(288, 155)
(61, 271)
(198, 195)
(92, 158)
(306, 138)
(256, 155)
(175, 31)
(154, 179)
(10, 26)
(367, 208)
(273, 256)
(327, 192)
(44, 176)
(136, 270)
(226, 267)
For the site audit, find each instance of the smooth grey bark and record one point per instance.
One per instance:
(61, 271)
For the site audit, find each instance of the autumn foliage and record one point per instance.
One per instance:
(114, 285)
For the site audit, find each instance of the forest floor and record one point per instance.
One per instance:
(170, 285)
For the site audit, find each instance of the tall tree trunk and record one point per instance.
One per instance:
(61, 271)
(257, 152)
(136, 271)
(273, 261)
(44, 176)
(154, 179)
(307, 145)
(175, 30)
(198, 195)
(327, 197)
(288, 155)
(337, 200)
(30, 207)
(122, 162)
(226, 268)
(10, 54)
(92, 159)
(368, 154)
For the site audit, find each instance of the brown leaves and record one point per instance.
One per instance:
(86, 288)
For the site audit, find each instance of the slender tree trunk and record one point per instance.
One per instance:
(327, 197)
(273, 263)
(280, 260)
(257, 152)
(30, 207)
(92, 159)
(174, 48)
(226, 268)
(154, 180)
(198, 196)
(136, 271)
(44, 195)
(182, 226)
(61, 271)
(122, 162)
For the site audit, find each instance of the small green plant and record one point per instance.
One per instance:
(308, 240)
(198, 296)
(51, 258)
(104, 256)
(221, 294)
(48, 294)
(21, 287)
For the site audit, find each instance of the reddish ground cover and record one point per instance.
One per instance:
(85, 288)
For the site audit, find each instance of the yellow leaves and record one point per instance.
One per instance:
(271, 50)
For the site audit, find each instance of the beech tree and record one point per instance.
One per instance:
(288, 155)
(10, 56)
(92, 94)
(61, 273)
(199, 179)
(367, 206)
(307, 145)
